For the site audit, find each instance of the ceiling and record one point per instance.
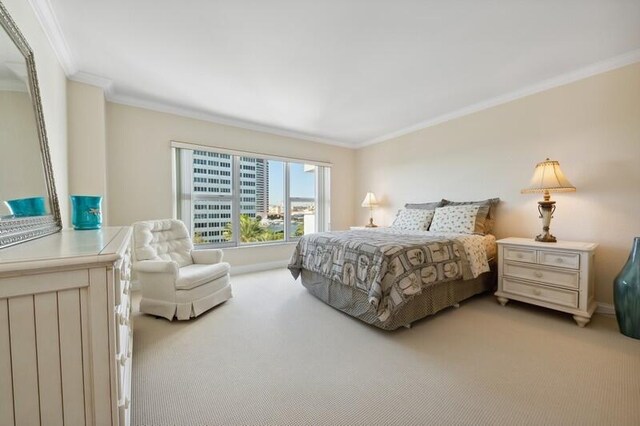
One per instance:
(13, 69)
(348, 72)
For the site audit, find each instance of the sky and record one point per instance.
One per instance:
(302, 183)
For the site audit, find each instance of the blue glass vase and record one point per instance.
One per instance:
(626, 294)
(87, 211)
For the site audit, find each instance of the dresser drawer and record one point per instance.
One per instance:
(521, 254)
(122, 277)
(559, 259)
(559, 277)
(557, 296)
(123, 361)
(123, 330)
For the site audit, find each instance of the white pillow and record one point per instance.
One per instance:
(458, 219)
(413, 219)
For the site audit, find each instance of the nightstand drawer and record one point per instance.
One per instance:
(559, 259)
(570, 279)
(520, 254)
(546, 294)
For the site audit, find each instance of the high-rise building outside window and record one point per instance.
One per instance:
(231, 199)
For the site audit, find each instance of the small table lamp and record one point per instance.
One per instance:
(547, 178)
(370, 202)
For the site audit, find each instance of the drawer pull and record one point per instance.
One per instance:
(537, 291)
(122, 320)
(519, 255)
(122, 411)
(538, 274)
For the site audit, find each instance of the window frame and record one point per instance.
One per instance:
(185, 196)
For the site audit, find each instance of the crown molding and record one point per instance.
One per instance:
(94, 80)
(588, 71)
(51, 27)
(218, 119)
(12, 86)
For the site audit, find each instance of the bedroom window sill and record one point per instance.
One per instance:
(246, 246)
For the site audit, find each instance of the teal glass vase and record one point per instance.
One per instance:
(25, 207)
(626, 294)
(86, 212)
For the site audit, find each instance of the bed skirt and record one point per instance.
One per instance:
(432, 299)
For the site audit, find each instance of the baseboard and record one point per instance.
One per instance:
(238, 270)
(605, 309)
(257, 267)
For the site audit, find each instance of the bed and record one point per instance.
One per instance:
(390, 277)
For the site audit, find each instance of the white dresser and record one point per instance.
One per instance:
(558, 275)
(65, 332)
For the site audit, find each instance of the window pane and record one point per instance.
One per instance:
(212, 215)
(261, 188)
(212, 221)
(212, 173)
(232, 199)
(302, 198)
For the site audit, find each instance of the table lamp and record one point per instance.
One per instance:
(547, 178)
(370, 202)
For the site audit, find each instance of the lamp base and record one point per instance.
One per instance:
(546, 238)
(546, 209)
(371, 224)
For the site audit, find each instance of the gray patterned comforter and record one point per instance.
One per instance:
(391, 268)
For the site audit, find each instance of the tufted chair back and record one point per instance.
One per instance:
(166, 239)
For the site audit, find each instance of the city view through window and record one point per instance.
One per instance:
(260, 197)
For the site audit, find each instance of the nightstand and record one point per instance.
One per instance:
(360, 228)
(558, 275)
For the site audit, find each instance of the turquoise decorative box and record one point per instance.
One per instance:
(87, 212)
(24, 207)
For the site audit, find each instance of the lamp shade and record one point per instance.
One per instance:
(369, 200)
(548, 177)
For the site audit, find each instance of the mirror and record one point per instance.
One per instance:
(28, 201)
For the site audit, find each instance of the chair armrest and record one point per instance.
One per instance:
(207, 256)
(156, 266)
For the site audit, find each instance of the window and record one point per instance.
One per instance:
(251, 200)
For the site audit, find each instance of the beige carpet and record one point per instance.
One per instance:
(276, 355)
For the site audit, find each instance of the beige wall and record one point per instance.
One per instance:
(140, 170)
(21, 173)
(591, 126)
(87, 141)
(53, 84)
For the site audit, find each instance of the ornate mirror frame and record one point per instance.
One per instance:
(17, 230)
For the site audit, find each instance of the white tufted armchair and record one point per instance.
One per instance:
(177, 280)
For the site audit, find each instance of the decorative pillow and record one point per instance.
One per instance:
(458, 219)
(413, 219)
(486, 213)
(424, 206)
